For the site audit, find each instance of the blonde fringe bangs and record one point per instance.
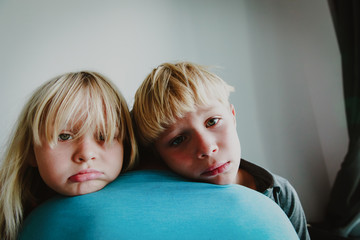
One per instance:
(86, 100)
(172, 90)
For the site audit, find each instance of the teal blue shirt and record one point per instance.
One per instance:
(160, 205)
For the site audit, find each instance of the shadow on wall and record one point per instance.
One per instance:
(281, 47)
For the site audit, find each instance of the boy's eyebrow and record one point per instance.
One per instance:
(169, 130)
(207, 108)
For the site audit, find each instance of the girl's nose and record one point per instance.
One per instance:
(206, 146)
(85, 150)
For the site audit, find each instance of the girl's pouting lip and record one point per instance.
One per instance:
(85, 175)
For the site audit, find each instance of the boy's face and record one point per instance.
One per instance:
(203, 145)
(79, 166)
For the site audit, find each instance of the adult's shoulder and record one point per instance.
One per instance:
(160, 205)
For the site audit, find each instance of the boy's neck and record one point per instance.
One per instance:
(246, 179)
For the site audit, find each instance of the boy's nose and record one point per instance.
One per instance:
(206, 147)
(85, 151)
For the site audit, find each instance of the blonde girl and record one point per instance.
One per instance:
(73, 137)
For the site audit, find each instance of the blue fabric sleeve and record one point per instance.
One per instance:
(160, 205)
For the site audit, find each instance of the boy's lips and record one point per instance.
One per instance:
(216, 169)
(85, 175)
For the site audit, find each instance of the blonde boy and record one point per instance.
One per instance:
(183, 112)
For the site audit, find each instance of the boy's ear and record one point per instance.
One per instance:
(232, 109)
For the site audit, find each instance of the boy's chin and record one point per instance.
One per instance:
(221, 180)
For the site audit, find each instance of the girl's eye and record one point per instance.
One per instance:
(212, 122)
(101, 137)
(178, 140)
(64, 137)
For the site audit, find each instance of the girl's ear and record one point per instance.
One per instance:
(31, 157)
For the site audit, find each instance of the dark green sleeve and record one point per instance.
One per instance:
(284, 194)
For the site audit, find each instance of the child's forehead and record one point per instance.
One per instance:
(212, 105)
(79, 119)
(200, 112)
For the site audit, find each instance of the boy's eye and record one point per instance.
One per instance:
(212, 122)
(64, 137)
(178, 140)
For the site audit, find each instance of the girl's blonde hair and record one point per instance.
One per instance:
(89, 96)
(169, 92)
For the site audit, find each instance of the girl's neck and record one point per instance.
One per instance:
(39, 194)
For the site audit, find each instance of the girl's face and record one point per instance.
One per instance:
(79, 166)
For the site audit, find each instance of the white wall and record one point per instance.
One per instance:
(281, 56)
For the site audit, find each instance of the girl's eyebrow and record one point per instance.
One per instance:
(72, 130)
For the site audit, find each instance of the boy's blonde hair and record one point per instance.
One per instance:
(82, 96)
(169, 92)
